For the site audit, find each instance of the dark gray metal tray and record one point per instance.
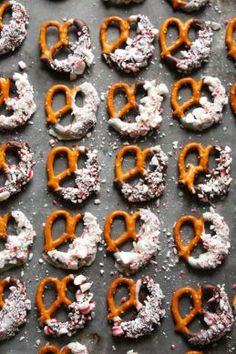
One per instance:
(37, 203)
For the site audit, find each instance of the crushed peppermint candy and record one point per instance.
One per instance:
(217, 245)
(82, 251)
(84, 118)
(149, 313)
(79, 312)
(17, 175)
(219, 322)
(13, 34)
(23, 105)
(217, 181)
(138, 51)
(152, 183)
(149, 114)
(144, 248)
(17, 247)
(14, 311)
(208, 113)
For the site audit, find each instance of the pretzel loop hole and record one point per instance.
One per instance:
(124, 28)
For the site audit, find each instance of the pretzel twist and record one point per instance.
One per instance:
(54, 116)
(181, 323)
(5, 85)
(183, 38)
(130, 92)
(3, 150)
(196, 87)
(71, 222)
(198, 227)
(178, 3)
(115, 311)
(4, 220)
(188, 176)
(124, 28)
(129, 234)
(233, 98)
(229, 38)
(3, 8)
(61, 299)
(63, 41)
(52, 349)
(72, 159)
(141, 156)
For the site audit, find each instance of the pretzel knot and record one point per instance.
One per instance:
(151, 181)
(84, 118)
(61, 299)
(233, 98)
(198, 226)
(86, 180)
(220, 313)
(77, 60)
(128, 54)
(115, 311)
(187, 177)
(71, 348)
(229, 38)
(190, 59)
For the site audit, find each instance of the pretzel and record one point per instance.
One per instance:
(217, 245)
(16, 175)
(189, 6)
(14, 309)
(151, 183)
(22, 105)
(149, 110)
(71, 348)
(82, 249)
(136, 52)
(207, 113)
(79, 311)
(80, 56)
(219, 320)
(232, 98)
(196, 53)
(145, 242)
(87, 180)
(234, 303)
(84, 118)
(229, 38)
(13, 33)
(194, 352)
(17, 247)
(149, 313)
(216, 181)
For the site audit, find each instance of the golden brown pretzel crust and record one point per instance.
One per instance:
(183, 39)
(54, 116)
(229, 38)
(198, 226)
(141, 156)
(196, 87)
(52, 349)
(187, 177)
(124, 27)
(130, 230)
(181, 324)
(47, 53)
(115, 311)
(71, 222)
(72, 159)
(232, 98)
(130, 92)
(3, 8)
(61, 299)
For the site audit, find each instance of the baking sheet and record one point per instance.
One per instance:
(37, 203)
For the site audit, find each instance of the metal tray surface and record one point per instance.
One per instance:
(37, 202)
